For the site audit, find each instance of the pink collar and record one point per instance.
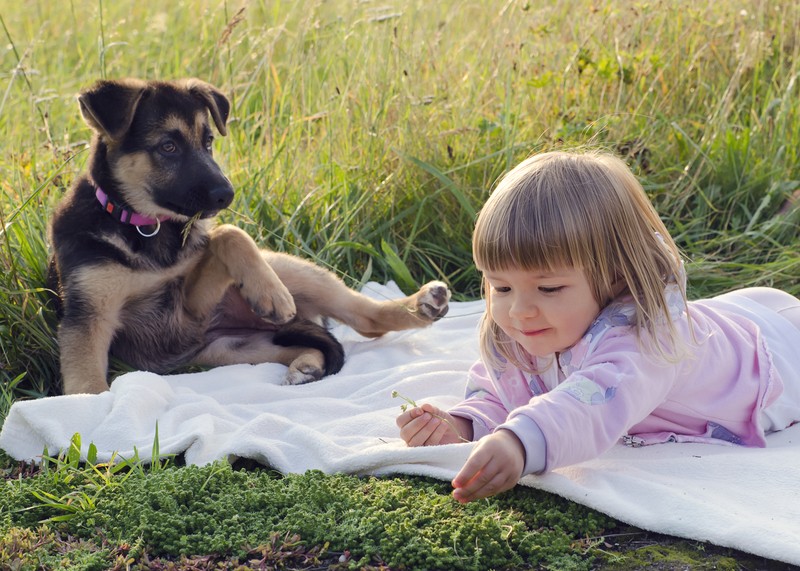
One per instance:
(126, 216)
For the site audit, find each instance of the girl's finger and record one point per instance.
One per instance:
(483, 486)
(419, 430)
(402, 420)
(428, 407)
(476, 462)
(481, 479)
(440, 433)
(406, 417)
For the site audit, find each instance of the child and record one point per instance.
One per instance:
(588, 338)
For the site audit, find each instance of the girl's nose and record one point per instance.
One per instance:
(523, 308)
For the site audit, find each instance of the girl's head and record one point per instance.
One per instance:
(575, 211)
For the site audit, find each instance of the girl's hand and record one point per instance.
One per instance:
(495, 465)
(427, 425)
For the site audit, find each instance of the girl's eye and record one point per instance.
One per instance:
(501, 289)
(548, 290)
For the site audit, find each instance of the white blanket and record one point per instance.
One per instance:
(744, 498)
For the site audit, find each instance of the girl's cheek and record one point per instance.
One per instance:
(499, 311)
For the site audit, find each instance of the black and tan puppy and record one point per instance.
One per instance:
(143, 273)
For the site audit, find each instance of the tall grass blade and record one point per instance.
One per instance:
(458, 194)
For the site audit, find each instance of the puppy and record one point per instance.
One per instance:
(144, 274)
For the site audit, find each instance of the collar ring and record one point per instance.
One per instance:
(151, 234)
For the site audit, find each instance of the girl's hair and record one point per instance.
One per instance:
(577, 210)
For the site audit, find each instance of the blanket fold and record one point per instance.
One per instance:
(745, 498)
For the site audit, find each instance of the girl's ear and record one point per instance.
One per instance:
(618, 287)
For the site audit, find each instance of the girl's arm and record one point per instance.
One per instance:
(476, 416)
(483, 406)
(595, 406)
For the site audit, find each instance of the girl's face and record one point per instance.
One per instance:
(545, 312)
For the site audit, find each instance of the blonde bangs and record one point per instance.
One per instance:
(525, 224)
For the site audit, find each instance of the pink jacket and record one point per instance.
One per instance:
(605, 388)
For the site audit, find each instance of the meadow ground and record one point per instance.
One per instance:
(366, 135)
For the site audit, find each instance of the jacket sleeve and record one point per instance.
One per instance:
(482, 404)
(596, 405)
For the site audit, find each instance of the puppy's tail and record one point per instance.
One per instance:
(305, 333)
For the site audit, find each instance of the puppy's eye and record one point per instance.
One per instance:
(209, 142)
(168, 148)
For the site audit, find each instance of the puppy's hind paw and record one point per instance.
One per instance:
(432, 300)
(307, 368)
(298, 377)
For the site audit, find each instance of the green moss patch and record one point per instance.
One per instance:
(126, 516)
(401, 523)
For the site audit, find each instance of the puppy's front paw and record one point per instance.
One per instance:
(432, 300)
(273, 303)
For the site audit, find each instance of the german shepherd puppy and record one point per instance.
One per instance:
(143, 273)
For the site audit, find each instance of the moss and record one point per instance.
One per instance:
(668, 554)
(201, 517)
(664, 557)
(406, 523)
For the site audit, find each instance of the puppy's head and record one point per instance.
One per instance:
(154, 145)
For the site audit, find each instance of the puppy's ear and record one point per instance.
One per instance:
(217, 103)
(108, 106)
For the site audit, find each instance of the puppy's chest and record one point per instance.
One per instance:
(142, 273)
(167, 253)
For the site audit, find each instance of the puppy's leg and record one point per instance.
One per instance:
(91, 318)
(319, 292)
(83, 346)
(373, 318)
(233, 258)
(305, 364)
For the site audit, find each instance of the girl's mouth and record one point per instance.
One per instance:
(533, 332)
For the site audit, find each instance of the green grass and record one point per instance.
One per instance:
(366, 135)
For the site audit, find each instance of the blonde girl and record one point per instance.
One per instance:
(588, 338)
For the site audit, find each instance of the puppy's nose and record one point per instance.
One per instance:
(221, 196)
